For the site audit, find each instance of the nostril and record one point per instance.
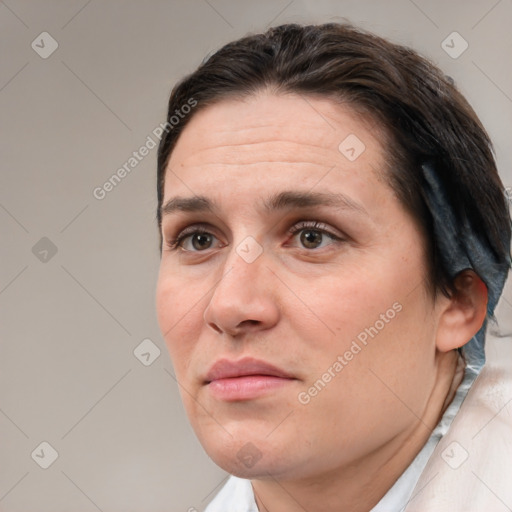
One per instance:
(215, 328)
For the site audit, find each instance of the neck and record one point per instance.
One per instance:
(361, 485)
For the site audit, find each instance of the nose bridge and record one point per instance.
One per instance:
(243, 267)
(242, 296)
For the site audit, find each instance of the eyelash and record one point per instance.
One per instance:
(175, 243)
(314, 226)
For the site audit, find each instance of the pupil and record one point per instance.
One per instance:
(311, 238)
(201, 240)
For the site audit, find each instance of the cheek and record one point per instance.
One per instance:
(380, 325)
(177, 313)
(379, 384)
(375, 292)
(351, 303)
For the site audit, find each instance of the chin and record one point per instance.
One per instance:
(252, 457)
(266, 468)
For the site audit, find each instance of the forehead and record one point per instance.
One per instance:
(268, 140)
(311, 121)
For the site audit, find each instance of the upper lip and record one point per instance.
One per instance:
(225, 369)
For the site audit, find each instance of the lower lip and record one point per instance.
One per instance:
(246, 388)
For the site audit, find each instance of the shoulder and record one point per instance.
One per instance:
(471, 466)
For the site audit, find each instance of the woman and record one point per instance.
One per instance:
(334, 237)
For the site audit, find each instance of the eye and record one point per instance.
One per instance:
(314, 235)
(193, 239)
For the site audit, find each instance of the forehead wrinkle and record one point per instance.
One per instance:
(286, 133)
(272, 150)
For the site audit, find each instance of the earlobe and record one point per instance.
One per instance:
(464, 313)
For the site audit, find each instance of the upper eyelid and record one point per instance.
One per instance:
(316, 225)
(296, 225)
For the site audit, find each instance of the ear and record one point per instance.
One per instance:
(464, 312)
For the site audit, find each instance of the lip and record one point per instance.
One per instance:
(226, 369)
(245, 379)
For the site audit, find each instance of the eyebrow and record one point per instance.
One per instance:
(288, 199)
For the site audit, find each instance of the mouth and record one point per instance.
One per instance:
(245, 379)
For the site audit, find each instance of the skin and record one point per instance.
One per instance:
(299, 307)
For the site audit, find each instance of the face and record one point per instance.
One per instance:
(291, 292)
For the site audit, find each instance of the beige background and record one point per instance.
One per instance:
(70, 324)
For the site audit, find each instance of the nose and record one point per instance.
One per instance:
(244, 298)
